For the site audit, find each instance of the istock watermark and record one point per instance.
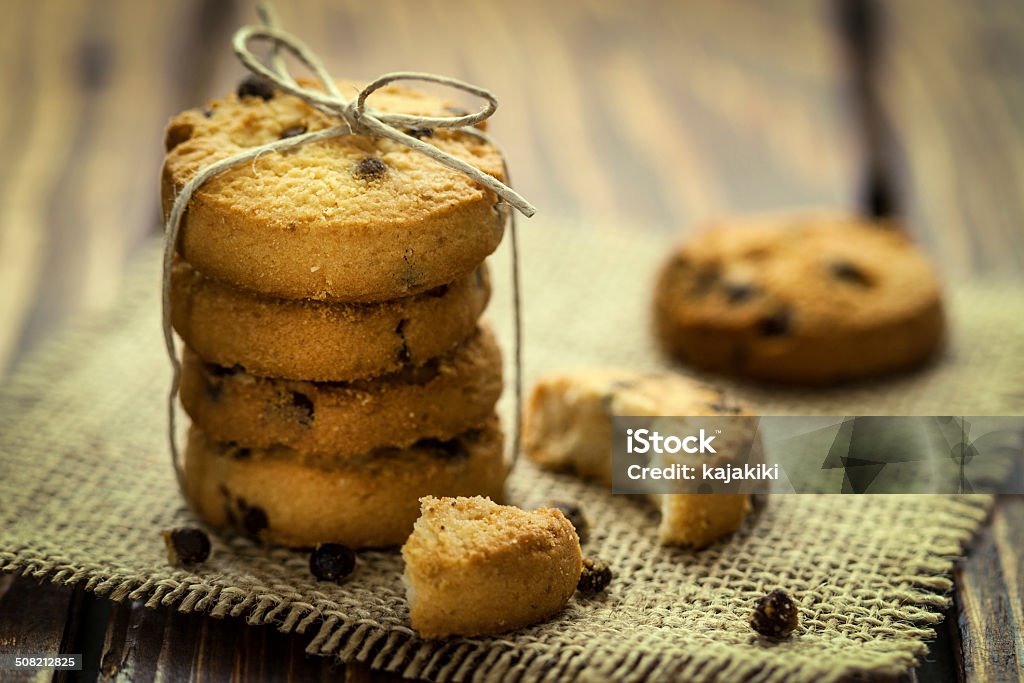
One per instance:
(816, 454)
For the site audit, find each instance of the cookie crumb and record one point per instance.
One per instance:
(186, 546)
(775, 615)
(331, 562)
(595, 577)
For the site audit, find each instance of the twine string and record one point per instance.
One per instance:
(356, 119)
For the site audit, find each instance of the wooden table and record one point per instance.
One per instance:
(656, 114)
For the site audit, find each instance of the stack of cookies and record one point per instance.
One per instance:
(329, 297)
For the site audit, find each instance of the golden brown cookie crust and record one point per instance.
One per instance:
(318, 341)
(319, 221)
(278, 496)
(477, 568)
(439, 400)
(810, 299)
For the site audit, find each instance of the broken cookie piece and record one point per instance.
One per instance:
(568, 427)
(473, 567)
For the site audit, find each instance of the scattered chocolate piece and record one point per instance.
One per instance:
(419, 133)
(775, 615)
(186, 546)
(776, 325)
(595, 577)
(255, 86)
(331, 562)
(738, 292)
(371, 168)
(847, 272)
(208, 112)
(575, 516)
(255, 520)
(292, 131)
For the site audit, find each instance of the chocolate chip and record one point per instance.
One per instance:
(775, 615)
(237, 452)
(177, 134)
(575, 516)
(595, 577)
(847, 272)
(331, 562)
(404, 355)
(738, 292)
(437, 292)
(255, 86)
(254, 520)
(186, 546)
(303, 406)
(292, 131)
(775, 325)
(453, 448)
(221, 371)
(420, 133)
(208, 112)
(370, 168)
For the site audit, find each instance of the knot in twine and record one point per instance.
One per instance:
(356, 119)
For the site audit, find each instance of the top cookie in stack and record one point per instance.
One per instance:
(329, 297)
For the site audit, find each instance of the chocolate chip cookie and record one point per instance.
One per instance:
(351, 218)
(439, 399)
(296, 499)
(810, 299)
(322, 341)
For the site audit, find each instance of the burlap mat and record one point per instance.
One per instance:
(86, 486)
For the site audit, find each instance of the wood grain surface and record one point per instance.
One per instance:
(658, 115)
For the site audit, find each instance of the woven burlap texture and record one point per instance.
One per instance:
(86, 486)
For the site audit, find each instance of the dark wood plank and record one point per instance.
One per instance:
(990, 598)
(82, 151)
(952, 94)
(952, 90)
(142, 643)
(38, 618)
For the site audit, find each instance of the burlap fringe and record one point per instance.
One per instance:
(400, 651)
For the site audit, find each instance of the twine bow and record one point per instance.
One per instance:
(357, 119)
